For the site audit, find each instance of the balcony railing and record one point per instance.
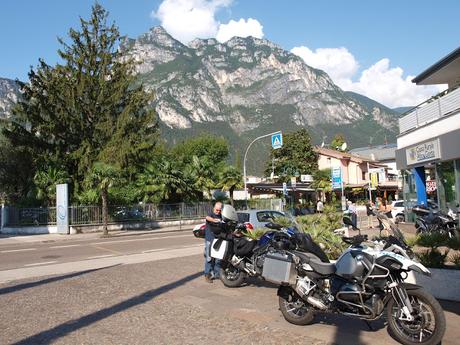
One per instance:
(436, 107)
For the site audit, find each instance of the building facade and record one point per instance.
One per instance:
(429, 140)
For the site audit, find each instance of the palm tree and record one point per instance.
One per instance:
(102, 176)
(162, 181)
(230, 178)
(203, 174)
(46, 181)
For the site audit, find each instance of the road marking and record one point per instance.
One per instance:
(168, 248)
(67, 246)
(99, 256)
(107, 250)
(142, 239)
(18, 250)
(40, 263)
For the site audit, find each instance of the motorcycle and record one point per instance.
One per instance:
(244, 256)
(428, 221)
(363, 282)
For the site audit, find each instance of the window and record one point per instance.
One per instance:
(243, 217)
(264, 216)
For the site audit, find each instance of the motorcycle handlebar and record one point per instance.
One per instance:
(355, 240)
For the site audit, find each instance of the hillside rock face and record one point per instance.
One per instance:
(245, 82)
(9, 94)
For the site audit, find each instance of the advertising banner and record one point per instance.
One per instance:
(62, 207)
(336, 178)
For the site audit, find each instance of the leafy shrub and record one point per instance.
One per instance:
(433, 240)
(454, 243)
(412, 241)
(255, 234)
(283, 221)
(432, 258)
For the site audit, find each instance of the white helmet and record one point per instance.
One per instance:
(229, 214)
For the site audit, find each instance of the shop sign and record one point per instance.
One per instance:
(430, 186)
(424, 152)
(374, 180)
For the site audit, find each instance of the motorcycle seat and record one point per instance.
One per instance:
(323, 268)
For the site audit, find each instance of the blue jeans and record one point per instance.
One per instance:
(211, 266)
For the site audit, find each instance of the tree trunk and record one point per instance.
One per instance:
(231, 195)
(105, 213)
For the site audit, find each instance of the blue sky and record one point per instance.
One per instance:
(373, 47)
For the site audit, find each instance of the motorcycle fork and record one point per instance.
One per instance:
(402, 299)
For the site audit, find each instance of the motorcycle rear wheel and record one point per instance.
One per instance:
(232, 276)
(429, 325)
(294, 309)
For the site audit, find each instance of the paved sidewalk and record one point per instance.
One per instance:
(168, 302)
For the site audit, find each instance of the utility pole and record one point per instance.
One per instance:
(244, 164)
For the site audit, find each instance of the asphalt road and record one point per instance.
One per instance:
(75, 248)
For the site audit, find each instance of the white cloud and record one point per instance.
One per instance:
(189, 19)
(380, 82)
(241, 28)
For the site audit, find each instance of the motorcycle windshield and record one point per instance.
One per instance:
(390, 226)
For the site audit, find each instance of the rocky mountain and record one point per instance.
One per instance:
(247, 87)
(241, 89)
(402, 110)
(9, 93)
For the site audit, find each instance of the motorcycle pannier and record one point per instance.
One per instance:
(279, 269)
(219, 249)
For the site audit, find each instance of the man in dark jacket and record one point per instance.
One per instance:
(211, 266)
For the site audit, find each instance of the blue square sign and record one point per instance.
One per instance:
(277, 140)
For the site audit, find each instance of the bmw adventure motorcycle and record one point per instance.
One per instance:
(364, 282)
(245, 257)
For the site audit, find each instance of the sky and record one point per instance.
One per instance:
(371, 47)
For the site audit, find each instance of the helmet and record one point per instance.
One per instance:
(229, 214)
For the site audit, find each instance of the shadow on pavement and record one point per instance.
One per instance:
(450, 306)
(348, 329)
(15, 288)
(49, 336)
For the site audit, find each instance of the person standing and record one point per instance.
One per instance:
(353, 213)
(211, 266)
(386, 208)
(319, 206)
(370, 214)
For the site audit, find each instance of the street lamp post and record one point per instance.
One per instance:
(244, 164)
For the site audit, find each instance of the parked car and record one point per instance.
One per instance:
(252, 219)
(398, 211)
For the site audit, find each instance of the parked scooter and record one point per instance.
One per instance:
(364, 280)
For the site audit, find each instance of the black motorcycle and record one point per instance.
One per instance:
(245, 257)
(364, 282)
(429, 221)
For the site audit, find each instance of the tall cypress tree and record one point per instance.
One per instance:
(88, 108)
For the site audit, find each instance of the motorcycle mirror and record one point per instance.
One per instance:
(273, 226)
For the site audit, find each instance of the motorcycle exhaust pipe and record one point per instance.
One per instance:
(316, 303)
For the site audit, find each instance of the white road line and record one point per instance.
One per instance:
(142, 239)
(99, 256)
(40, 263)
(67, 246)
(18, 250)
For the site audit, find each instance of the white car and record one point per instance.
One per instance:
(398, 209)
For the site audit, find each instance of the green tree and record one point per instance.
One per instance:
(163, 181)
(204, 174)
(322, 180)
(206, 145)
(101, 177)
(296, 156)
(46, 181)
(87, 109)
(338, 141)
(230, 178)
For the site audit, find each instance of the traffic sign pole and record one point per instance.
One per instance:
(244, 162)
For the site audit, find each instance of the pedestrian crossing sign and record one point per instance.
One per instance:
(277, 140)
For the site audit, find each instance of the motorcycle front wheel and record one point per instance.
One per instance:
(232, 276)
(429, 322)
(294, 309)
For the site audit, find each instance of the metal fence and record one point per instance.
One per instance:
(92, 215)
